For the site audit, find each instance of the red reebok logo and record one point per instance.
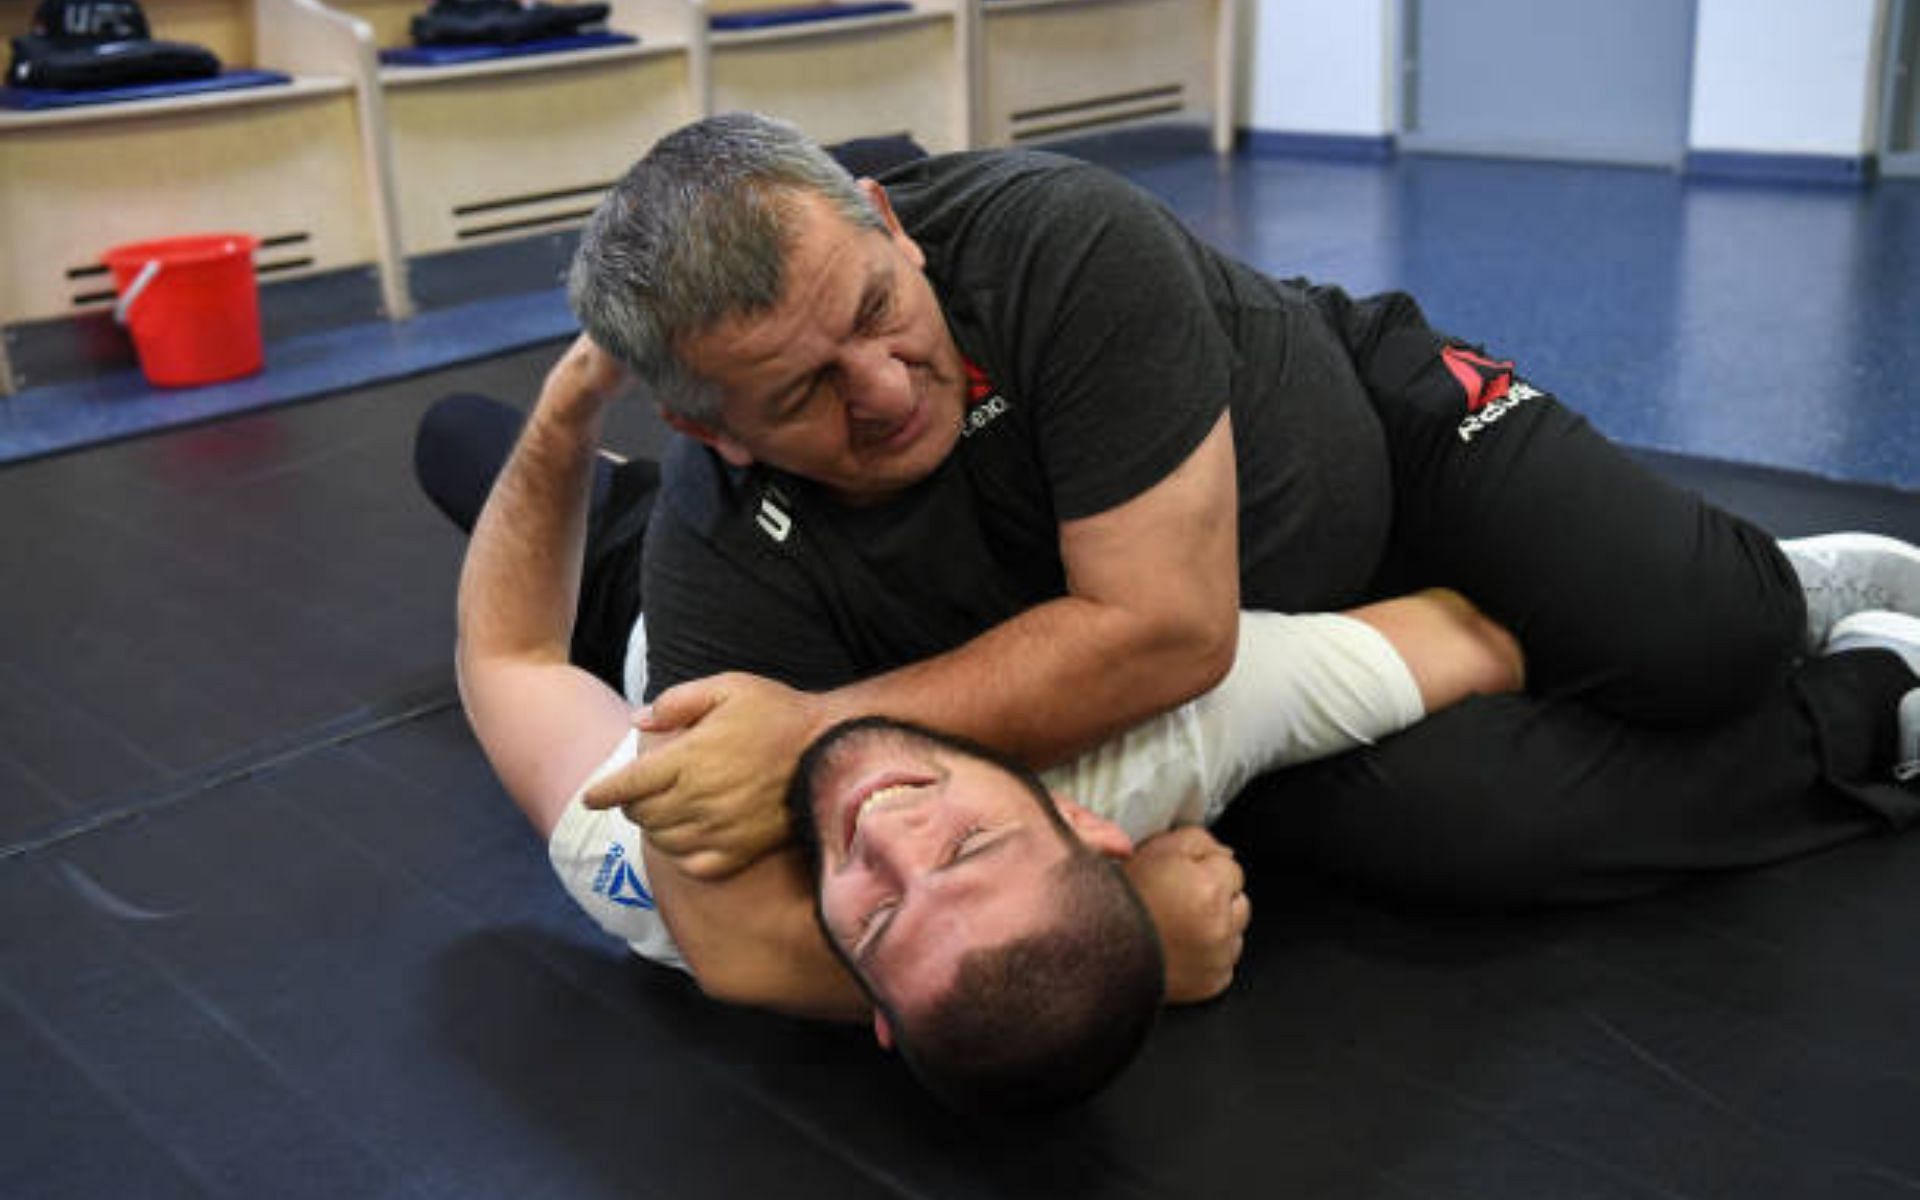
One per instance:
(979, 387)
(1483, 379)
(984, 402)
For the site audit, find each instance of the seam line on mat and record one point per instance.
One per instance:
(254, 760)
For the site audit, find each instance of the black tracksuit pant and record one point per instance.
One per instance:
(1670, 726)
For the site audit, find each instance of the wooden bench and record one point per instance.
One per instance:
(1052, 68)
(503, 148)
(868, 76)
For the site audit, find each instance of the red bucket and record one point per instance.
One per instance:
(192, 305)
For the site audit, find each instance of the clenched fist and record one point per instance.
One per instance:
(1196, 892)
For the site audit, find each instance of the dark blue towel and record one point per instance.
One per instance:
(447, 56)
(800, 14)
(38, 99)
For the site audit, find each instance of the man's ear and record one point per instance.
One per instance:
(1095, 830)
(732, 452)
(882, 1031)
(877, 197)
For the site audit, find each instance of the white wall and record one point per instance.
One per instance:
(1787, 76)
(1769, 76)
(1321, 66)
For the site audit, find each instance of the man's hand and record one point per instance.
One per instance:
(1196, 894)
(585, 374)
(711, 793)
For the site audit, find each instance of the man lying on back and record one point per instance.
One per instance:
(1044, 865)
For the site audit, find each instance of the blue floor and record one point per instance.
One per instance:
(1754, 323)
(1747, 322)
(108, 407)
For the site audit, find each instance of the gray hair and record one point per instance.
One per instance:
(696, 232)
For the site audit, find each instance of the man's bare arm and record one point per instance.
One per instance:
(752, 938)
(1148, 622)
(546, 725)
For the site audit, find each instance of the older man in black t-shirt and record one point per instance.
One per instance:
(994, 445)
(1028, 430)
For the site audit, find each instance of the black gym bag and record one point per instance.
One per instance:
(501, 22)
(78, 45)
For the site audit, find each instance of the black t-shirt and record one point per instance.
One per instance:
(1112, 340)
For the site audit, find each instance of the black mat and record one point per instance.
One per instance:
(270, 929)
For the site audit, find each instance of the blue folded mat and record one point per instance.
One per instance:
(447, 56)
(20, 99)
(800, 14)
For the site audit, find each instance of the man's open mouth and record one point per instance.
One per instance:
(880, 791)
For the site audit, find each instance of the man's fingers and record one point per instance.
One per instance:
(1189, 840)
(634, 784)
(591, 369)
(1222, 977)
(710, 864)
(1202, 845)
(711, 849)
(681, 706)
(664, 815)
(1225, 872)
(684, 841)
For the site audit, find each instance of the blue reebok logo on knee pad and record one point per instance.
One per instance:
(619, 882)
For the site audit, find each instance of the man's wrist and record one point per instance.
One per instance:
(816, 713)
(823, 711)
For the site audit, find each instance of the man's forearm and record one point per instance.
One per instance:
(1150, 621)
(1052, 682)
(520, 584)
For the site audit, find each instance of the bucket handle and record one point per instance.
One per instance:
(123, 307)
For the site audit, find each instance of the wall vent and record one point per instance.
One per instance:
(1097, 111)
(537, 212)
